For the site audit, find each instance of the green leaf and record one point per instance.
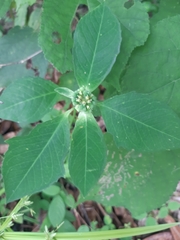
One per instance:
(69, 201)
(67, 227)
(34, 19)
(55, 36)
(32, 99)
(97, 36)
(92, 4)
(141, 175)
(18, 44)
(16, 70)
(4, 6)
(88, 153)
(56, 211)
(150, 221)
(157, 72)
(163, 212)
(166, 9)
(52, 190)
(139, 122)
(40, 64)
(135, 31)
(20, 19)
(83, 228)
(65, 92)
(22, 2)
(173, 206)
(35, 161)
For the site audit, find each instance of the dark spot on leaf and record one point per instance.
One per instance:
(56, 37)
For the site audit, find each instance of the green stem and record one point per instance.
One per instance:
(8, 222)
(98, 235)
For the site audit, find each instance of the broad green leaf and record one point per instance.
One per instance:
(149, 177)
(20, 19)
(34, 19)
(4, 6)
(166, 9)
(68, 80)
(55, 36)
(139, 122)
(27, 100)
(173, 206)
(18, 44)
(154, 68)
(88, 155)
(66, 227)
(16, 70)
(35, 161)
(22, 2)
(163, 212)
(56, 211)
(40, 64)
(151, 221)
(65, 92)
(92, 4)
(135, 31)
(96, 44)
(51, 191)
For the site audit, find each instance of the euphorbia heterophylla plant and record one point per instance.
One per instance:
(134, 121)
(40, 158)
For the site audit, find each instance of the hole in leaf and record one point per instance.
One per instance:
(129, 4)
(56, 37)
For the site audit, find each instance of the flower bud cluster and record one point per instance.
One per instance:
(83, 100)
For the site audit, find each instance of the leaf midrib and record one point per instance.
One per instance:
(134, 120)
(96, 45)
(28, 100)
(35, 161)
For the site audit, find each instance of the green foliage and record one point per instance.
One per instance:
(4, 6)
(137, 122)
(36, 166)
(134, 33)
(33, 96)
(157, 72)
(166, 9)
(88, 153)
(55, 36)
(16, 46)
(142, 151)
(56, 211)
(128, 173)
(90, 65)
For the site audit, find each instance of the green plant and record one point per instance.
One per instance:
(24, 203)
(139, 69)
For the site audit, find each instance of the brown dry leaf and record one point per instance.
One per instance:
(175, 231)
(3, 148)
(160, 236)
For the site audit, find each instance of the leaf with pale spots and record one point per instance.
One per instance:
(141, 175)
(139, 122)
